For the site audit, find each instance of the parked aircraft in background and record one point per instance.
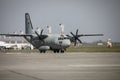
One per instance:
(56, 42)
(5, 45)
(109, 43)
(15, 46)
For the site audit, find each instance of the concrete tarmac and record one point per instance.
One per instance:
(67, 66)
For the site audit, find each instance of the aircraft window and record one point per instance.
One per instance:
(60, 42)
(60, 38)
(66, 38)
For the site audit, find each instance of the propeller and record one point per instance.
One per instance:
(41, 37)
(76, 37)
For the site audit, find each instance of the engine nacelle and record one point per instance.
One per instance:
(44, 48)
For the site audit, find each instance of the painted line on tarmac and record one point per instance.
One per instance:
(115, 65)
(80, 66)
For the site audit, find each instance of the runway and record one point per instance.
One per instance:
(67, 66)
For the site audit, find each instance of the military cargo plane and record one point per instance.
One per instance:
(55, 42)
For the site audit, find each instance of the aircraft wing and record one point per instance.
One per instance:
(90, 35)
(75, 37)
(16, 35)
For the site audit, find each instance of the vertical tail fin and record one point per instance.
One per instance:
(28, 24)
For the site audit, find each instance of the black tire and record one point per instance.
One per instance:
(62, 51)
(42, 51)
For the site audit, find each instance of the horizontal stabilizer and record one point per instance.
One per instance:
(16, 35)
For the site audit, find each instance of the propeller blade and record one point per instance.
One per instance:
(75, 42)
(37, 34)
(41, 32)
(79, 40)
(76, 32)
(72, 34)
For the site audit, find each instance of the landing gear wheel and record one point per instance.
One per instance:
(42, 51)
(56, 51)
(62, 51)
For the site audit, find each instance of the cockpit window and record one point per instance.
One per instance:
(62, 38)
(66, 38)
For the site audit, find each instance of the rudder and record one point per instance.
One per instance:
(28, 24)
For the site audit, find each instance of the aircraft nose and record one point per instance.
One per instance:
(67, 43)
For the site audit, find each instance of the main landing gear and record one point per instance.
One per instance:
(55, 51)
(42, 51)
(58, 51)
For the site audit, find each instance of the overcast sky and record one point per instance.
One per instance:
(89, 16)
